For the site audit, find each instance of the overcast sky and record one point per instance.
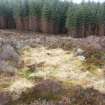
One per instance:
(78, 1)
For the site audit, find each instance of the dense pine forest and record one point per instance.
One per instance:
(53, 16)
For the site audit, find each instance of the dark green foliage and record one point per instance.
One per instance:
(46, 10)
(20, 8)
(63, 14)
(72, 16)
(54, 12)
(85, 18)
(35, 7)
(4, 8)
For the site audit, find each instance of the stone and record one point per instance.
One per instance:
(9, 53)
(9, 59)
(82, 58)
(6, 68)
(102, 42)
(79, 52)
(48, 85)
(5, 98)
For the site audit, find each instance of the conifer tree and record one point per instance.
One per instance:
(71, 22)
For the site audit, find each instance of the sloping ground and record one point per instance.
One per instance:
(39, 69)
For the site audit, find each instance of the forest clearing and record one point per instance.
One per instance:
(38, 69)
(52, 52)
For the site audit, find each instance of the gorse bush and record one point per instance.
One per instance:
(56, 16)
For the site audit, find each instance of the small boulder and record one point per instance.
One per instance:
(9, 59)
(5, 98)
(79, 52)
(6, 68)
(49, 86)
(9, 53)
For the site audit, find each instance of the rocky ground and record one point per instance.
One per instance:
(41, 69)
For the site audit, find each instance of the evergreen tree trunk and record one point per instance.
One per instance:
(11, 22)
(45, 26)
(34, 24)
(89, 29)
(83, 31)
(72, 32)
(3, 22)
(19, 23)
(51, 27)
(25, 23)
(97, 30)
(101, 30)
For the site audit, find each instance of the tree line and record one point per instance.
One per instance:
(53, 16)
